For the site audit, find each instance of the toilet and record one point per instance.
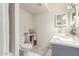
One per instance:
(27, 47)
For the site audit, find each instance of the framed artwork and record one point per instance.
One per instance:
(61, 20)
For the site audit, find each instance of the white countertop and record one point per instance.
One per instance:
(70, 43)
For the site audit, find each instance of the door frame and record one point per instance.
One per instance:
(6, 28)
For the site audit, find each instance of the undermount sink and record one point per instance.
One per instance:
(71, 41)
(64, 39)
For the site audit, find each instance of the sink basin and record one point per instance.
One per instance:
(71, 41)
(63, 39)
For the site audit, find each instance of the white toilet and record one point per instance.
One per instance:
(27, 50)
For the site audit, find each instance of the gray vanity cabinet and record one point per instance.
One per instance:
(59, 50)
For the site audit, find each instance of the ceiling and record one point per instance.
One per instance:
(36, 8)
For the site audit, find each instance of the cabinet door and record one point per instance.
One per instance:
(59, 50)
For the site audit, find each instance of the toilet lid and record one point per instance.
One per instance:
(27, 46)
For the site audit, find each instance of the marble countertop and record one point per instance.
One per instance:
(74, 42)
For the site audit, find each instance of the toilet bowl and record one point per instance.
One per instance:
(26, 47)
(27, 50)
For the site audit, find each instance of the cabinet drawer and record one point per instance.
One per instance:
(59, 50)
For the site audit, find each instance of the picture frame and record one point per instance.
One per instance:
(61, 20)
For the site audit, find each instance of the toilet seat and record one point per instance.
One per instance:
(31, 54)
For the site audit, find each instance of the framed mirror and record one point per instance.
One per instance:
(61, 20)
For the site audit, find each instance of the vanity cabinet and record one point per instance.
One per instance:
(60, 50)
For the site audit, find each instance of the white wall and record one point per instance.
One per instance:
(6, 28)
(44, 24)
(26, 22)
(4, 33)
(1, 30)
